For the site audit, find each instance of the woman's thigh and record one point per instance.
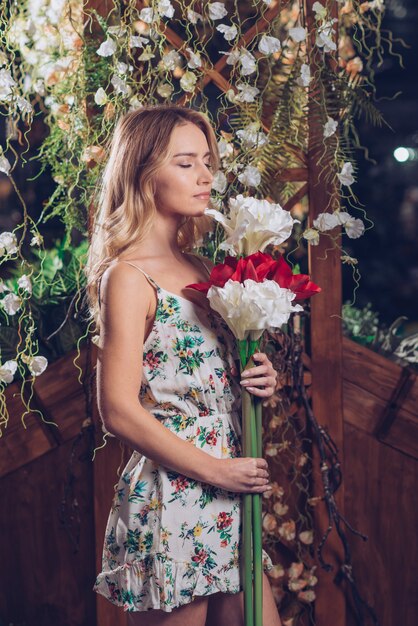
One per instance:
(193, 614)
(227, 609)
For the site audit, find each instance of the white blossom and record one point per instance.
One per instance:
(324, 37)
(120, 85)
(37, 365)
(346, 174)
(217, 10)
(165, 90)
(146, 54)
(7, 371)
(195, 60)
(117, 31)
(165, 8)
(330, 127)
(305, 76)
(251, 137)
(6, 84)
(24, 105)
(250, 177)
(36, 240)
(188, 81)
(136, 41)
(229, 32)
(171, 60)
(225, 148)
(219, 182)
(24, 282)
(100, 96)
(319, 10)
(354, 227)
(4, 165)
(11, 303)
(298, 33)
(193, 17)
(107, 48)
(312, 236)
(246, 93)
(8, 243)
(268, 45)
(326, 221)
(122, 68)
(248, 63)
(147, 15)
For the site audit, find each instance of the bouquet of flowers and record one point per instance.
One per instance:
(253, 292)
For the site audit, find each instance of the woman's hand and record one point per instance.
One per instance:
(265, 383)
(242, 475)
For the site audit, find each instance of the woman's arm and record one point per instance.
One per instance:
(126, 298)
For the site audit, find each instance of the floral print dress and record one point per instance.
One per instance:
(170, 538)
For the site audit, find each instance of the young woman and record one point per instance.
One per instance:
(168, 385)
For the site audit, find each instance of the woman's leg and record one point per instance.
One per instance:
(193, 614)
(227, 609)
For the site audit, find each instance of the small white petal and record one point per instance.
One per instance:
(298, 33)
(107, 48)
(217, 10)
(37, 365)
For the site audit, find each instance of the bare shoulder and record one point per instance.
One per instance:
(124, 289)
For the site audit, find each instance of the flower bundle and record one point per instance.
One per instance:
(254, 292)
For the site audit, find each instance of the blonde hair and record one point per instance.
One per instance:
(126, 206)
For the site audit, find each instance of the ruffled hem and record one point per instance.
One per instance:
(158, 582)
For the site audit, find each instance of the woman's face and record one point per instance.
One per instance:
(183, 185)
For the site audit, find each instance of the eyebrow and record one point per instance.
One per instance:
(191, 154)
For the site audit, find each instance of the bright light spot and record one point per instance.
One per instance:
(401, 154)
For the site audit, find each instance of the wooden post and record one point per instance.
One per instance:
(326, 349)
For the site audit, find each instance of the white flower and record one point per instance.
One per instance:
(100, 96)
(37, 365)
(11, 303)
(247, 93)
(165, 8)
(6, 84)
(107, 48)
(8, 243)
(330, 127)
(147, 15)
(120, 85)
(253, 224)
(225, 148)
(193, 17)
(377, 5)
(136, 41)
(346, 174)
(324, 37)
(312, 236)
(117, 31)
(195, 59)
(298, 33)
(7, 371)
(146, 54)
(4, 165)
(171, 60)
(219, 182)
(165, 90)
(217, 10)
(231, 57)
(188, 81)
(3, 287)
(25, 283)
(36, 240)
(305, 76)
(248, 62)
(252, 307)
(354, 227)
(135, 103)
(319, 10)
(250, 136)
(250, 177)
(122, 68)
(24, 105)
(326, 221)
(229, 32)
(268, 45)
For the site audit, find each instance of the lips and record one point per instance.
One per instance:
(204, 196)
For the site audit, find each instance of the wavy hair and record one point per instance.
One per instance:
(126, 189)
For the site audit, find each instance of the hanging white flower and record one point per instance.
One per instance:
(136, 41)
(325, 37)
(100, 97)
(330, 127)
(146, 54)
(250, 177)
(246, 93)
(135, 103)
(6, 84)
(354, 227)
(36, 240)
(165, 8)
(8, 243)
(24, 282)
(7, 371)
(229, 32)
(219, 182)
(251, 136)
(346, 174)
(120, 85)
(3, 287)
(376, 5)
(37, 365)
(225, 148)
(117, 31)
(298, 33)
(319, 10)
(326, 221)
(195, 60)
(251, 307)
(11, 303)
(24, 105)
(171, 60)
(147, 15)
(253, 224)
(268, 45)
(165, 90)
(231, 57)
(188, 81)
(122, 68)
(248, 63)
(217, 10)
(193, 17)
(312, 236)
(4, 165)
(107, 48)
(305, 76)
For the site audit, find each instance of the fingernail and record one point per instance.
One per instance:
(243, 382)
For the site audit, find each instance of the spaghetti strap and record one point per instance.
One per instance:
(147, 276)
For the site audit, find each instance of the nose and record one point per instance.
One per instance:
(205, 175)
